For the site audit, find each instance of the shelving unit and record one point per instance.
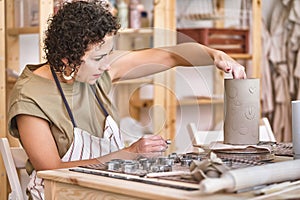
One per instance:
(235, 42)
(244, 54)
(15, 32)
(163, 123)
(10, 59)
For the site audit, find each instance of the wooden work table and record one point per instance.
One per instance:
(66, 184)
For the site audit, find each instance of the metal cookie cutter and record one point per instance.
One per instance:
(129, 166)
(113, 165)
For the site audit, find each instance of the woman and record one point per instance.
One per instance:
(60, 109)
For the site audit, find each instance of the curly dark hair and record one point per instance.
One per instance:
(73, 28)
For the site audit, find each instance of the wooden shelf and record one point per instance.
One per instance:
(23, 30)
(241, 56)
(145, 103)
(141, 103)
(140, 31)
(135, 81)
(200, 101)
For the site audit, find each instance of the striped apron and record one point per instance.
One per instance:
(84, 145)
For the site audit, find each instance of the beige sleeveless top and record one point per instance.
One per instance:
(37, 96)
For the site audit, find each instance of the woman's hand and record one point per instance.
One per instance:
(229, 65)
(148, 145)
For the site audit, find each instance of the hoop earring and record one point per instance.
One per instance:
(67, 78)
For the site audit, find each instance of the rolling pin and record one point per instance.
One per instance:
(243, 178)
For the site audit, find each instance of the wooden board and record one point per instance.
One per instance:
(46, 10)
(256, 38)
(164, 109)
(3, 177)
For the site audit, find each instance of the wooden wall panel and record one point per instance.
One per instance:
(46, 10)
(256, 38)
(3, 177)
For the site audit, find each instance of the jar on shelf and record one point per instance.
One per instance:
(123, 14)
(144, 19)
(134, 14)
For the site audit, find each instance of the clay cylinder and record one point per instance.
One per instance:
(241, 111)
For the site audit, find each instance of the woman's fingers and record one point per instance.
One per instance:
(229, 65)
(238, 71)
(149, 144)
(154, 143)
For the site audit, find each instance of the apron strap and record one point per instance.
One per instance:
(63, 97)
(99, 102)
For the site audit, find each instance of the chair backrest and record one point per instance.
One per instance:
(203, 137)
(206, 137)
(14, 158)
(265, 131)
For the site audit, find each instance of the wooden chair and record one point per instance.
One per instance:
(203, 137)
(14, 158)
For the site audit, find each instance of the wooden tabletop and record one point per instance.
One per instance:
(126, 188)
(83, 186)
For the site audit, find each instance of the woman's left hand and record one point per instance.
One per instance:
(229, 65)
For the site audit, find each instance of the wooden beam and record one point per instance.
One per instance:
(256, 38)
(164, 22)
(46, 10)
(164, 109)
(12, 58)
(12, 53)
(219, 6)
(3, 177)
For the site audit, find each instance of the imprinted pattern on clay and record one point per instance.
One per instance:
(242, 112)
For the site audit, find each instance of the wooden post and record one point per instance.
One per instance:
(256, 38)
(12, 56)
(9, 59)
(12, 53)
(164, 106)
(3, 177)
(46, 10)
(219, 8)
